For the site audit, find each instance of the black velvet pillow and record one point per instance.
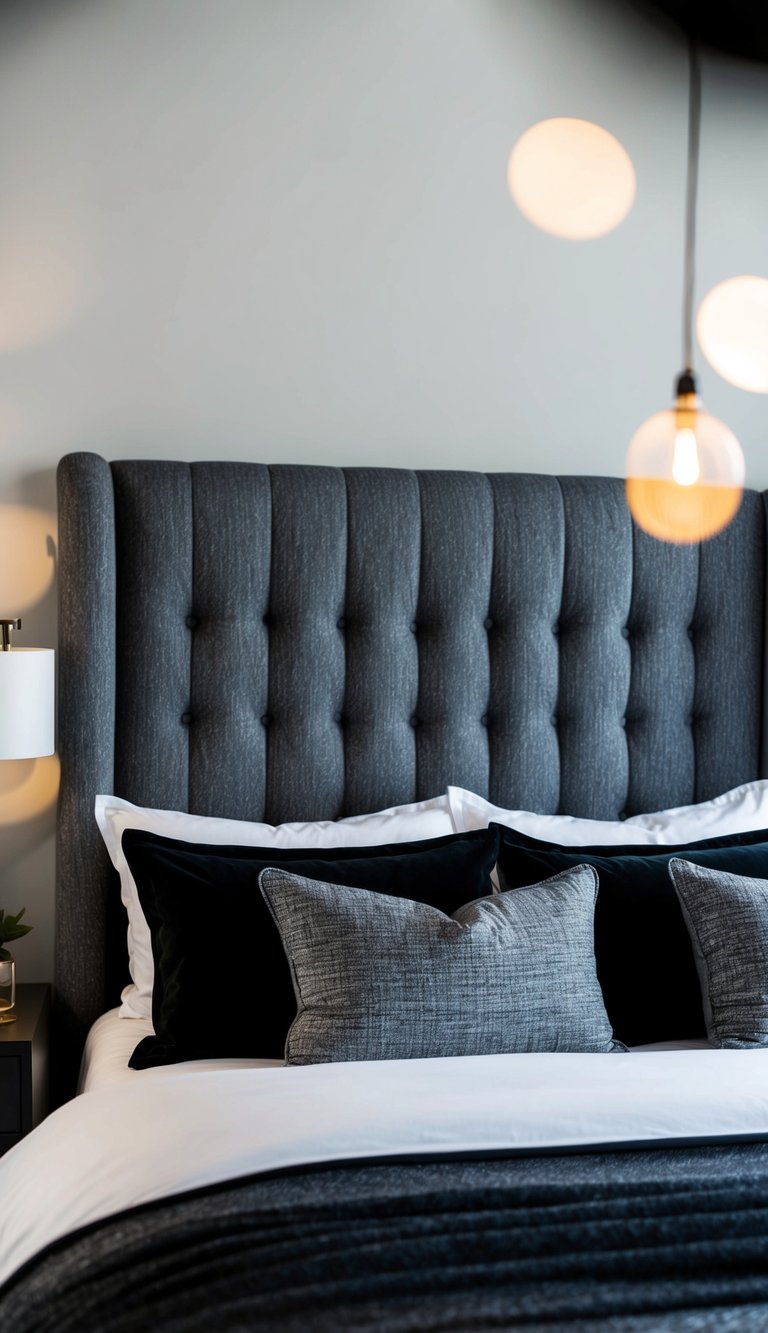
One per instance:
(645, 961)
(222, 983)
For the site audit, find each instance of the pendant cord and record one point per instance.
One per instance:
(694, 130)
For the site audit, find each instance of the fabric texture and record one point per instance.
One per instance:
(234, 996)
(381, 978)
(404, 823)
(632, 1242)
(727, 919)
(644, 956)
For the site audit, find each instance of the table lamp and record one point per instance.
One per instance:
(26, 732)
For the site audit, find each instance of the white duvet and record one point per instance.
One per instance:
(160, 1132)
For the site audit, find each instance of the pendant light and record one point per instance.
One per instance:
(685, 469)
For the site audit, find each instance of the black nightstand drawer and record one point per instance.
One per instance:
(10, 1096)
(24, 1065)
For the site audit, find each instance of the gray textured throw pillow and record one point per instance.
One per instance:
(727, 919)
(382, 978)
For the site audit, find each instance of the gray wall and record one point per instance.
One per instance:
(280, 229)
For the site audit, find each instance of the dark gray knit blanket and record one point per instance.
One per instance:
(673, 1239)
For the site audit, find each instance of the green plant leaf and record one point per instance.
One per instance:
(15, 932)
(10, 927)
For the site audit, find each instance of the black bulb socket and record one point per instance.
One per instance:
(686, 383)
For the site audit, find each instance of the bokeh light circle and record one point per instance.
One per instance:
(732, 328)
(571, 178)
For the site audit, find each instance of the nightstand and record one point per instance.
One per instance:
(24, 1065)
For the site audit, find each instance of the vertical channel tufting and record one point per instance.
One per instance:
(594, 656)
(305, 747)
(380, 634)
(522, 627)
(662, 764)
(330, 675)
(454, 676)
(728, 647)
(85, 975)
(153, 524)
(226, 625)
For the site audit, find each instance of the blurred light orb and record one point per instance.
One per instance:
(732, 328)
(571, 178)
(41, 282)
(28, 787)
(27, 555)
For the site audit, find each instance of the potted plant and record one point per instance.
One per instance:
(10, 929)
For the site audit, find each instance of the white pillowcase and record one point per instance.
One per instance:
(741, 810)
(401, 823)
(470, 811)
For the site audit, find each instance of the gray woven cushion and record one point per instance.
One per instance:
(727, 919)
(382, 978)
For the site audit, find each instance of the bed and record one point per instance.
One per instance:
(275, 644)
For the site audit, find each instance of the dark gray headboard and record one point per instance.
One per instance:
(299, 642)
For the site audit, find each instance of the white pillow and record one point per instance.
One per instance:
(401, 823)
(470, 811)
(741, 810)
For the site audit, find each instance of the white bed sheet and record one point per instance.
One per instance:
(112, 1040)
(111, 1043)
(165, 1131)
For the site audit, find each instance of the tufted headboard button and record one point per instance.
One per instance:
(488, 623)
(191, 622)
(187, 719)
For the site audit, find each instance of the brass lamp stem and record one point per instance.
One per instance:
(6, 628)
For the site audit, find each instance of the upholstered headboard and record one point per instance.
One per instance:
(302, 642)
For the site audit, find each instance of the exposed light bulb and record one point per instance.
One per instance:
(571, 178)
(685, 460)
(685, 471)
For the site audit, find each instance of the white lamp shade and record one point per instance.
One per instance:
(26, 703)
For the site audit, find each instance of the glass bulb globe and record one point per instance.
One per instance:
(685, 474)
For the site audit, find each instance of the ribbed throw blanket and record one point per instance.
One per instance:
(664, 1240)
